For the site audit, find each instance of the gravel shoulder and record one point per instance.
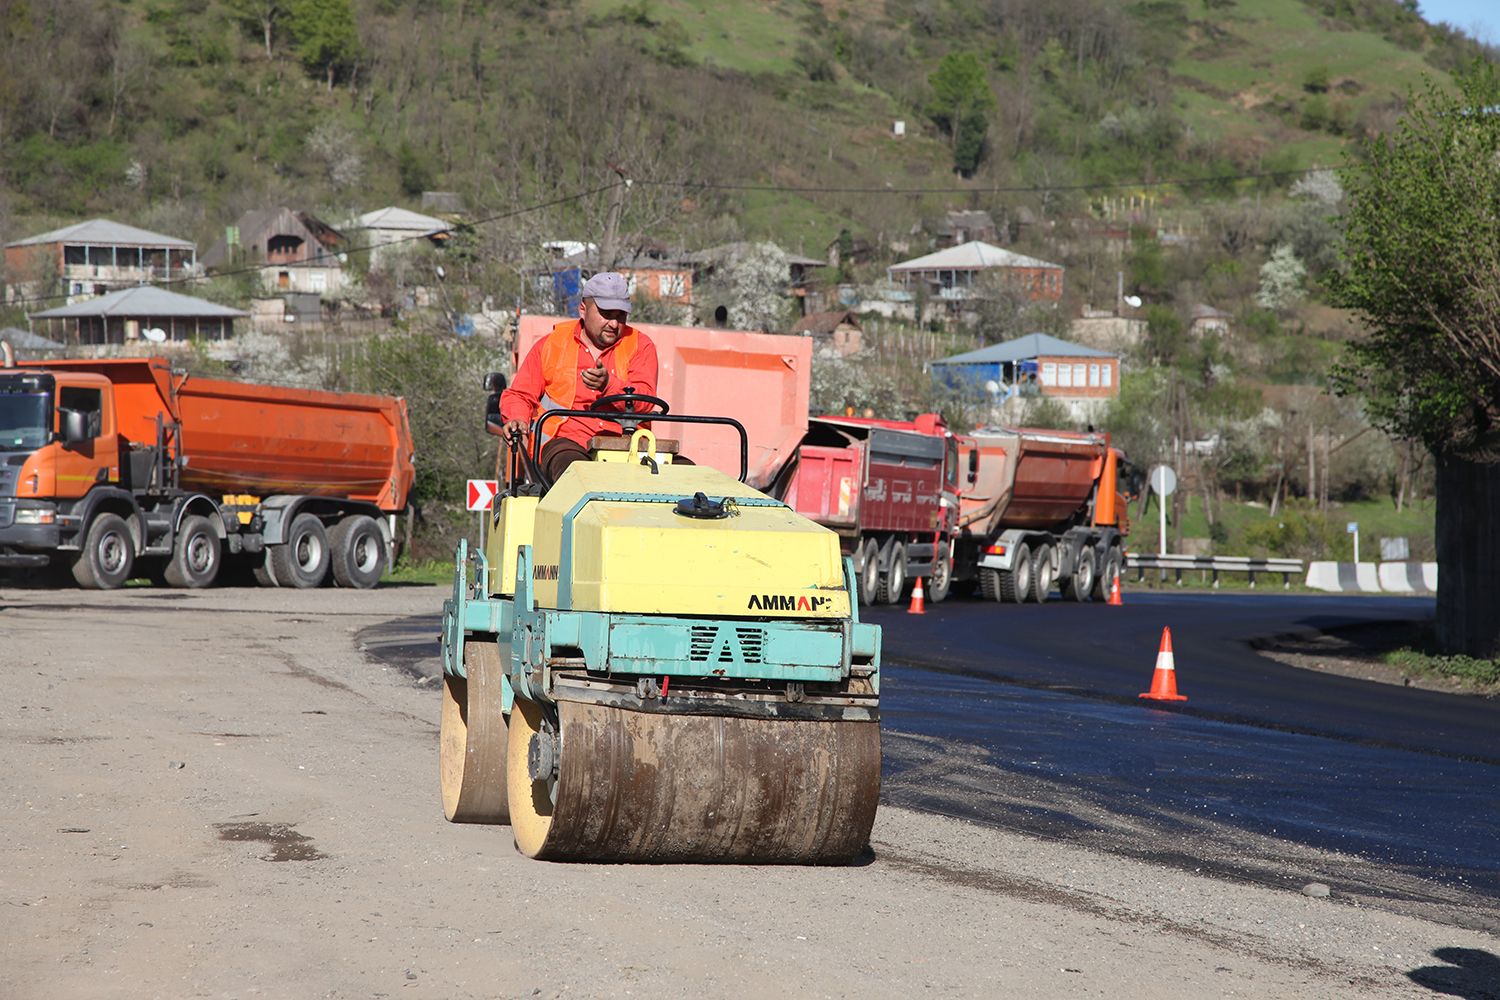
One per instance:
(1355, 651)
(300, 850)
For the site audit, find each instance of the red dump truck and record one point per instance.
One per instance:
(124, 468)
(890, 489)
(1041, 507)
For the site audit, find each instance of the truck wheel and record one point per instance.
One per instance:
(1015, 584)
(1041, 575)
(941, 579)
(1104, 581)
(1077, 585)
(869, 576)
(302, 559)
(989, 583)
(195, 557)
(264, 573)
(358, 552)
(893, 581)
(108, 554)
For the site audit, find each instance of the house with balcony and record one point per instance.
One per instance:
(92, 258)
(1083, 379)
(294, 252)
(951, 274)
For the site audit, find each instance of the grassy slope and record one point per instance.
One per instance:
(1279, 41)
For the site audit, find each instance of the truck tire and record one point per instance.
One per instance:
(107, 556)
(1041, 575)
(1077, 585)
(302, 559)
(869, 574)
(196, 556)
(941, 580)
(989, 583)
(1015, 584)
(1104, 580)
(358, 552)
(263, 572)
(893, 580)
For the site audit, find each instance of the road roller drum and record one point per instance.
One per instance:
(656, 663)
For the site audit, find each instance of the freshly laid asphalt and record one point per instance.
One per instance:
(1028, 717)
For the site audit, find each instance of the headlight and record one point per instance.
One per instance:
(33, 516)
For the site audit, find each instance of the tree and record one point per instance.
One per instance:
(961, 105)
(326, 35)
(1280, 279)
(1424, 276)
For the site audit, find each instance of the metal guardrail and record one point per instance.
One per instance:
(1143, 561)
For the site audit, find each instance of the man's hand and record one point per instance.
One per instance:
(596, 378)
(514, 431)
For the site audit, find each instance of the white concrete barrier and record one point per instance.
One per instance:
(1408, 577)
(1368, 578)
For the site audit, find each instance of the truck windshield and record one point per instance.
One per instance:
(25, 419)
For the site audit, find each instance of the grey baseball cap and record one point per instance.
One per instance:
(608, 290)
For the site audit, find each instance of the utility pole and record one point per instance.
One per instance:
(612, 219)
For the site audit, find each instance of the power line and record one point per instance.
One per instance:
(1031, 189)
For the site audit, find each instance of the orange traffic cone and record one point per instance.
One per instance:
(1164, 681)
(918, 600)
(1114, 592)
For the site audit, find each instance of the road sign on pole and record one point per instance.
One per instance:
(1163, 482)
(482, 493)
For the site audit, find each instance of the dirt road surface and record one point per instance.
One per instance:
(218, 794)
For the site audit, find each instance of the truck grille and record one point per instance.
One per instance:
(726, 640)
(7, 514)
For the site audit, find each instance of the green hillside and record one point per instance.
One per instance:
(178, 114)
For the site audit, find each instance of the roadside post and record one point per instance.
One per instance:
(1353, 528)
(1163, 482)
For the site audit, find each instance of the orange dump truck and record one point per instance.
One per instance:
(126, 468)
(1042, 507)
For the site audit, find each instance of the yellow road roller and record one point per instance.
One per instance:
(652, 662)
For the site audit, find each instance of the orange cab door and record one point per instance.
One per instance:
(96, 457)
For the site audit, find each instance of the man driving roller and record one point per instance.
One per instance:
(578, 362)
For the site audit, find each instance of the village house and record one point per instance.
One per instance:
(135, 315)
(1082, 378)
(956, 228)
(835, 334)
(392, 231)
(1207, 319)
(294, 251)
(802, 282)
(94, 258)
(649, 269)
(950, 274)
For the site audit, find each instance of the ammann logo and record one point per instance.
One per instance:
(786, 602)
(544, 572)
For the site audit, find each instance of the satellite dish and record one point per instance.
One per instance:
(1133, 301)
(155, 334)
(992, 387)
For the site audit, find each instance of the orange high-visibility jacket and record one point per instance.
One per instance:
(560, 369)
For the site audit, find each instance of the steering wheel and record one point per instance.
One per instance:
(663, 408)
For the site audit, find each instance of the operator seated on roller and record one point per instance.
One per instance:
(599, 355)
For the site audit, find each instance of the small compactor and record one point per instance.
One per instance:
(651, 661)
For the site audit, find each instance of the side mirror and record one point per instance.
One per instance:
(494, 382)
(493, 422)
(973, 466)
(75, 426)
